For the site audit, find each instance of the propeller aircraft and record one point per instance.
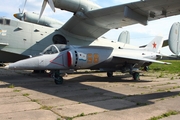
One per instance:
(90, 21)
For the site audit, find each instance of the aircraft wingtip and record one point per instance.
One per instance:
(7, 67)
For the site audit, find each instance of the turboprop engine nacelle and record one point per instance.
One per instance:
(33, 18)
(75, 5)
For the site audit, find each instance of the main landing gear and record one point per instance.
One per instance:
(110, 74)
(58, 79)
(135, 76)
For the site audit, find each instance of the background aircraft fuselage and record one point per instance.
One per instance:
(19, 39)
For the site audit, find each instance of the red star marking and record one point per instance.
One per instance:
(154, 45)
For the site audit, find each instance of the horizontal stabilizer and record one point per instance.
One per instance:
(174, 38)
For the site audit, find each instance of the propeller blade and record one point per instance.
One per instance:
(51, 4)
(19, 10)
(24, 6)
(42, 9)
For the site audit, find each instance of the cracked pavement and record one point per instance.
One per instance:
(90, 96)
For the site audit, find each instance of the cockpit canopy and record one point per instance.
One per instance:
(55, 48)
(4, 21)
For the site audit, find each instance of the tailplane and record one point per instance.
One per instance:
(155, 45)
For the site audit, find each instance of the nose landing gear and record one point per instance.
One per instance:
(109, 74)
(58, 79)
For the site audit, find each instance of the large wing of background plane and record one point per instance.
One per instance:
(95, 23)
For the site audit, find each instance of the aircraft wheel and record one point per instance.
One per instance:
(146, 68)
(136, 76)
(59, 80)
(110, 74)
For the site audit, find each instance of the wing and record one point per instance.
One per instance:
(136, 60)
(95, 23)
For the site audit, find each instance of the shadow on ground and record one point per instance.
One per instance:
(76, 89)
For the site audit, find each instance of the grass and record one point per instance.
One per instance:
(26, 94)
(34, 100)
(69, 118)
(46, 107)
(165, 115)
(173, 68)
(16, 90)
(11, 86)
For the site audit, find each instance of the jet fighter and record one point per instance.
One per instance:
(18, 40)
(65, 57)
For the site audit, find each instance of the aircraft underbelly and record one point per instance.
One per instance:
(115, 63)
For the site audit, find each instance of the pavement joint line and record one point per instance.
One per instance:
(164, 115)
(108, 86)
(32, 100)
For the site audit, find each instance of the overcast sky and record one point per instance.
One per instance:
(140, 34)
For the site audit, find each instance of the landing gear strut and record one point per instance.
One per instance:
(57, 78)
(146, 68)
(135, 76)
(110, 74)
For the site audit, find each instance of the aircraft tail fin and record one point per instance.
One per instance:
(155, 45)
(174, 38)
(124, 37)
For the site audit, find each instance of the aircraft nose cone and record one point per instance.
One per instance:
(7, 67)
(27, 64)
(18, 16)
(15, 15)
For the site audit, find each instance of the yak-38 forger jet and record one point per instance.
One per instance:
(85, 27)
(64, 57)
(88, 23)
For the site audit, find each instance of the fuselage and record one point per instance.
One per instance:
(19, 39)
(83, 57)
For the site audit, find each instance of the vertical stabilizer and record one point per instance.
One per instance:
(124, 37)
(174, 38)
(155, 45)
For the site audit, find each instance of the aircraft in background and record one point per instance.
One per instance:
(33, 18)
(174, 38)
(60, 57)
(84, 28)
(21, 39)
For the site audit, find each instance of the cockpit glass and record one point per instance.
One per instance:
(56, 48)
(62, 47)
(7, 22)
(4, 21)
(50, 50)
(1, 21)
